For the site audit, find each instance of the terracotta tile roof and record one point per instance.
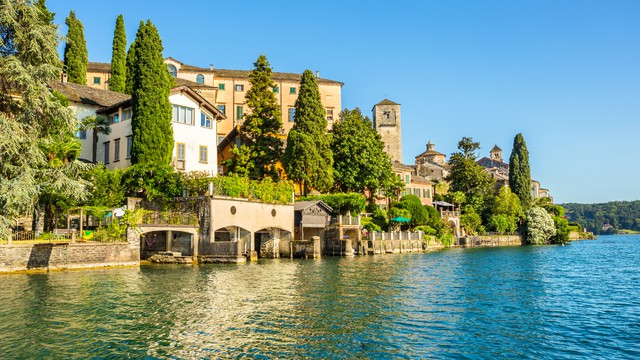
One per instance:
(88, 95)
(99, 67)
(275, 76)
(430, 152)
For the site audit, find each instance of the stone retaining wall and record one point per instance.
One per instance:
(45, 257)
(491, 240)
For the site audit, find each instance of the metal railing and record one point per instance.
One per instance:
(169, 218)
(345, 220)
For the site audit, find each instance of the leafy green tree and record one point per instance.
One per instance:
(396, 212)
(359, 160)
(540, 226)
(412, 203)
(76, 56)
(308, 159)
(469, 178)
(106, 189)
(153, 182)
(36, 158)
(151, 84)
(470, 220)
(119, 57)
(520, 172)
(262, 147)
(501, 223)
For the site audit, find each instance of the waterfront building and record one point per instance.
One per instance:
(194, 121)
(432, 164)
(387, 121)
(226, 89)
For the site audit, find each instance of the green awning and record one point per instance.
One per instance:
(400, 219)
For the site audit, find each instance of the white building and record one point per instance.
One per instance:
(194, 121)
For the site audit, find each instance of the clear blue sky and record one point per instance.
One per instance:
(564, 73)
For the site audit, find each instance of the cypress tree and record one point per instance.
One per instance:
(119, 57)
(308, 159)
(151, 85)
(262, 147)
(130, 61)
(76, 56)
(520, 172)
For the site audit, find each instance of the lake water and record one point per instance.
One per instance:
(560, 302)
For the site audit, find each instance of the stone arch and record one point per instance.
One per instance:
(159, 239)
(266, 241)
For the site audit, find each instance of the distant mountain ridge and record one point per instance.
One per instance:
(606, 218)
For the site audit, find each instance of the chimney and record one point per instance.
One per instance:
(317, 74)
(211, 67)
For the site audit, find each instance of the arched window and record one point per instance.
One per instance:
(200, 79)
(172, 70)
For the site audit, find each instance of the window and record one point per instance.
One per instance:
(329, 114)
(292, 114)
(81, 134)
(292, 90)
(221, 86)
(200, 79)
(182, 115)
(428, 193)
(220, 138)
(416, 192)
(96, 80)
(180, 163)
(276, 89)
(223, 109)
(114, 119)
(205, 121)
(239, 87)
(407, 179)
(204, 154)
(106, 152)
(116, 150)
(129, 143)
(172, 70)
(238, 112)
(127, 114)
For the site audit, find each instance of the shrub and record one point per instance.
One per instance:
(540, 226)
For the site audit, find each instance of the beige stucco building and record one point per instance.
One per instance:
(226, 89)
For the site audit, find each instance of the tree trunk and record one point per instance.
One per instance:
(95, 145)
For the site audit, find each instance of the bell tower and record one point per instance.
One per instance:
(388, 123)
(496, 153)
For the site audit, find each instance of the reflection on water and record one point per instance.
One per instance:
(580, 300)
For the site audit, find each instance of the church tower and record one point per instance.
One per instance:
(387, 122)
(496, 153)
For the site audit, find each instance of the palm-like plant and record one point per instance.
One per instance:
(99, 124)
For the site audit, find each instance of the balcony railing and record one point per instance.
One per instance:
(345, 220)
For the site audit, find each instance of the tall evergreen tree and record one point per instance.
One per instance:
(151, 85)
(45, 15)
(359, 160)
(76, 56)
(119, 57)
(520, 172)
(36, 154)
(262, 147)
(130, 61)
(308, 159)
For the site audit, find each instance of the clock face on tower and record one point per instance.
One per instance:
(388, 117)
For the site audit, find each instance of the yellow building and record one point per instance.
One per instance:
(227, 89)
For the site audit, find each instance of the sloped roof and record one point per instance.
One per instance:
(430, 152)
(387, 102)
(301, 205)
(275, 76)
(495, 148)
(99, 67)
(397, 165)
(191, 84)
(88, 95)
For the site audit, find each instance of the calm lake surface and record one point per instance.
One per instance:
(560, 302)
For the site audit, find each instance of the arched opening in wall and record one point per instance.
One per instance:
(154, 242)
(200, 79)
(267, 241)
(225, 241)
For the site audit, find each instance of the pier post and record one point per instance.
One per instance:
(169, 242)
